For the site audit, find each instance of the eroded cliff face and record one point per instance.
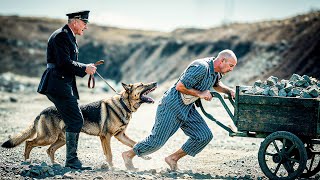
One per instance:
(278, 48)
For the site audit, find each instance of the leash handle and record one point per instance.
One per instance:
(91, 77)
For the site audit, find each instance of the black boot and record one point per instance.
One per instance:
(72, 160)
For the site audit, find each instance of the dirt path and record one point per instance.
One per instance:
(224, 158)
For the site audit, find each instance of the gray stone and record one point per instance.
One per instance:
(296, 92)
(306, 85)
(271, 81)
(300, 83)
(295, 77)
(98, 177)
(44, 164)
(305, 95)
(257, 90)
(104, 167)
(273, 91)
(266, 91)
(35, 171)
(56, 166)
(288, 87)
(313, 92)
(313, 81)
(307, 78)
(282, 84)
(258, 83)
(67, 175)
(282, 93)
(297, 86)
(51, 172)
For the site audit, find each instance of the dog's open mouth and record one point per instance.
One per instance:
(146, 98)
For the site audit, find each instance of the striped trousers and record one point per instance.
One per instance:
(167, 123)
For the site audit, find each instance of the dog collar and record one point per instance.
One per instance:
(124, 105)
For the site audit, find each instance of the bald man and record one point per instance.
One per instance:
(173, 113)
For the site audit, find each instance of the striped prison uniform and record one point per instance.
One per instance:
(173, 114)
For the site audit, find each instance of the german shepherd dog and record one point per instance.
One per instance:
(105, 118)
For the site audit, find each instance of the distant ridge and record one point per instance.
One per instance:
(279, 48)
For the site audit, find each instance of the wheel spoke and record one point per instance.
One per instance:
(294, 160)
(284, 144)
(291, 148)
(277, 169)
(288, 167)
(275, 145)
(270, 154)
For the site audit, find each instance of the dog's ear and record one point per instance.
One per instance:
(126, 87)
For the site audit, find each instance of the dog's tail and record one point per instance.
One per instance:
(21, 137)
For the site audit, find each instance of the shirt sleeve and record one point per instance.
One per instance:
(193, 75)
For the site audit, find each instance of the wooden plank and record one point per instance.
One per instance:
(271, 119)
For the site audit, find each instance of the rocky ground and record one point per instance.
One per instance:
(224, 158)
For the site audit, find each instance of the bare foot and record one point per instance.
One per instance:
(128, 162)
(172, 163)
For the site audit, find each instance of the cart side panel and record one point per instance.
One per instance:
(270, 114)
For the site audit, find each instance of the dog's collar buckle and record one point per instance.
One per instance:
(125, 106)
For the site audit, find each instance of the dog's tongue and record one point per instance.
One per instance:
(147, 99)
(150, 100)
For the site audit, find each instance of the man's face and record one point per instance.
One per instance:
(80, 26)
(227, 65)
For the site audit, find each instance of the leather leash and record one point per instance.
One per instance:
(91, 78)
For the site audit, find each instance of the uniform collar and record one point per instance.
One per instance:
(70, 33)
(73, 33)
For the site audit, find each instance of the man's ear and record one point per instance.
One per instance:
(126, 87)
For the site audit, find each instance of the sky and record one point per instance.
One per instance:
(162, 15)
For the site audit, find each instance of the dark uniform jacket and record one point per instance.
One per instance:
(62, 56)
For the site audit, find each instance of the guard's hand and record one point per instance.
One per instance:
(91, 69)
(206, 95)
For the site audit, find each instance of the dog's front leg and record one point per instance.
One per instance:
(122, 137)
(106, 147)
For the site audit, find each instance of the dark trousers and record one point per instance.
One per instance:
(70, 112)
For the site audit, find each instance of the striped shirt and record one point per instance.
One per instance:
(198, 75)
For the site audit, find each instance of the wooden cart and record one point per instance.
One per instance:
(290, 126)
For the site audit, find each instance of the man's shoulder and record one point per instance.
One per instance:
(63, 32)
(203, 61)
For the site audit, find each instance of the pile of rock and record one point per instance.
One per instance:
(297, 86)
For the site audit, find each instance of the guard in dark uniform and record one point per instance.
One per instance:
(58, 82)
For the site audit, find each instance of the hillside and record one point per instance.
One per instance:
(279, 48)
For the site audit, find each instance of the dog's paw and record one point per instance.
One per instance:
(146, 157)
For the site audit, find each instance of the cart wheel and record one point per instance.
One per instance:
(282, 155)
(313, 163)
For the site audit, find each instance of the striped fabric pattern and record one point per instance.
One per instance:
(172, 114)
